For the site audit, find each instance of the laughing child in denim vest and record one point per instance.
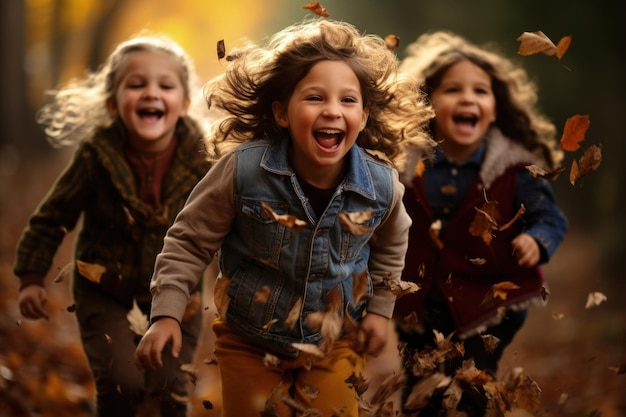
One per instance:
(140, 152)
(306, 215)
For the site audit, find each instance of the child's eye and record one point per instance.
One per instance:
(314, 98)
(135, 86)
(350, 100)
(167, 87)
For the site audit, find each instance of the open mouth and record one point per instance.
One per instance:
(328, 139)
(465, 119)
(154, 114)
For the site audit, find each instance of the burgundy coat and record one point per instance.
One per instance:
(466, 267)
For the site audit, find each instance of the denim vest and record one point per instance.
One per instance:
(262, 256)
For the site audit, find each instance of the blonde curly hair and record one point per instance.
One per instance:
(257, 76)
(517, 114)
(78, 108)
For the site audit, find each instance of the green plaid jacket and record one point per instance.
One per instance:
(120, 235)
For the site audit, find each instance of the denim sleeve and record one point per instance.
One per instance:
(545, 221)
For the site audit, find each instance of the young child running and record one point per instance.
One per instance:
(309, 224)
(489, 130)
(139, 154)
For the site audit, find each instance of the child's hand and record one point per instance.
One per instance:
(32, 301)
(526, 250)
(148, 353)
(372, 334)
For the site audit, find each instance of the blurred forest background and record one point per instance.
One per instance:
(578, 361)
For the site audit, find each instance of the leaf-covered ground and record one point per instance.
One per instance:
(576, 355)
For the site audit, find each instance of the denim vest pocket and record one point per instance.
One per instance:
(352, 244)
(264, 236)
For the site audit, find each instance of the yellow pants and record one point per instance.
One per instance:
(286, 389)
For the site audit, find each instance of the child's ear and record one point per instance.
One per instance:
(366, 114)
(280, 115)
(112, 107)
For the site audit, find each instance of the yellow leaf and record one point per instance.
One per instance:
(138, 320)
(535, 42)
(93, 272)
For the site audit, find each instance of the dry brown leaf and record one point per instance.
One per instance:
(93, 272)
(537, 172)
(289, 220)
(535, 42)
(400, 288)
(310, 349)
(191, 370)
(518, 215)
(563, 46)
(425, 389)
(220, 296)
(138, 320)
(484, 222)
(317, 8)
(433, 232)
(392, 42)
(353, 222)
(574, 132)
(270, 360)
(587, 164)
(490, 342)
(294, 314)
(595, 299)
(221, 49)
(388, 387)
(266, 327)
(498, 291)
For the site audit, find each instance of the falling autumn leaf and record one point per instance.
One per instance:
(262, 295)
(518, 215)
(310, 349)
(490, 342)
(537, 42)
(294, 314)
(353, 222)
(587, 164)
(220, 296)
(138, 320)
(360, 286)
(317, 8)
(289, 220)
(498, 291)
(93, 272)
(484, 222)
(193, 306)
(537, 172)
(221, 49)
(400, 288)
(574, 132)
(392, 42)
(420, 167)
(65, 272)
(595, 299)
(191, 370)
(433, 232)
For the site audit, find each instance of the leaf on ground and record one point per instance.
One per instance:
(138, 320)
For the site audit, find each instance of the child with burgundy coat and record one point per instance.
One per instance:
(489, 130)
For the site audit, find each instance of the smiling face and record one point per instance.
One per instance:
(465, 107)
(324, 116)
(149, 97)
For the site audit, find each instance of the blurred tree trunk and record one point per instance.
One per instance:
(16, 130)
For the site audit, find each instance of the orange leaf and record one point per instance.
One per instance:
(392, 42)
(587, 164)
(574, 132)
(317, 8)
(562, 46)
(535, 42)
